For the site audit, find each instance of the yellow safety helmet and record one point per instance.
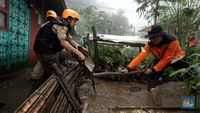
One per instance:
(51, 13)
(70, 13)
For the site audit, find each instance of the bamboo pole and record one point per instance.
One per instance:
(116, 73)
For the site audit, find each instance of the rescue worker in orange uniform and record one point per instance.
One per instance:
(52, 37)
(192, 40)
(165, 48)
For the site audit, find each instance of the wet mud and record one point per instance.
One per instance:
(115, 94)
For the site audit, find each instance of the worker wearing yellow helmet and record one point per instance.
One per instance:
(52, 38)
(50, 16)
(38, 70)
(51, 13)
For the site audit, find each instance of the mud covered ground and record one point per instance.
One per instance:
(117, 94)
(125, 96)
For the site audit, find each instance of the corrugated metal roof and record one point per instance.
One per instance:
(134, 41)
(123, 39)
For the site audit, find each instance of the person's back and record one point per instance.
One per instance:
(163, 51)
(52, 38)
(165, 48)
(46, 40)
(38, 70)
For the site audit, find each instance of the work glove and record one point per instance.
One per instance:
(124, 70)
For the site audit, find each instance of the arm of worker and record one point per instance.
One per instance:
(72, 42)
(143, 54)
(169, 55)
(75, 44)
(61, 33)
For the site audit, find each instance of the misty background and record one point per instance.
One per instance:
(114, 17)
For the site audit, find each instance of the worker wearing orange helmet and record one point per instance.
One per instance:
(72, 18)
(165, 48)
(53, 37)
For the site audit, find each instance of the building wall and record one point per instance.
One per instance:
(34, 29)
(15, 43)
(17, 39)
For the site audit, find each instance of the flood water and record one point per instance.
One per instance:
(117, 94)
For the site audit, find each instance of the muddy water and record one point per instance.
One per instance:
(112, 94)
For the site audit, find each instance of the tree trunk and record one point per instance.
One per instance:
(156, 12)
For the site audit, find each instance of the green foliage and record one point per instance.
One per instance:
(105, 23)
(174, 15)
(149, 9)
(111, 57)
(193, 82)
(182, 15)
(194, 54)
(182, 71)
(91, 16)
(119, 24)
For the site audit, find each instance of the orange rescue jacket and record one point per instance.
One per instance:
(168, 50)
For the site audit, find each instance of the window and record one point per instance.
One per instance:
(4, 14)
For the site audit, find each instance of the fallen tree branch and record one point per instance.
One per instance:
(116, 73)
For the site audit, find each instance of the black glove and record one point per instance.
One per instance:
(153, 74)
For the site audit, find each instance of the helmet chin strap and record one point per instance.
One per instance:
(68, 19)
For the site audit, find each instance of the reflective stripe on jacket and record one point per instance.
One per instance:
(168, 51)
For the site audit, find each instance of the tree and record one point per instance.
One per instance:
(116, 24)
(149, 9)
(176, 16)
(91, 16)
(182, 15)
(120, 24)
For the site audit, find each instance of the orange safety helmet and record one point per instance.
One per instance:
(70, 13)
(51, 13)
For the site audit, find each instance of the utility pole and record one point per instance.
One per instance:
(133, 30)
(156, 12)
(121, 29)
(108, 29)
(96, 53)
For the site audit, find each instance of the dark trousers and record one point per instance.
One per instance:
(176, 66)
(46, 61)
(154, 76)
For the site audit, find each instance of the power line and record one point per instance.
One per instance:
(98, 6)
